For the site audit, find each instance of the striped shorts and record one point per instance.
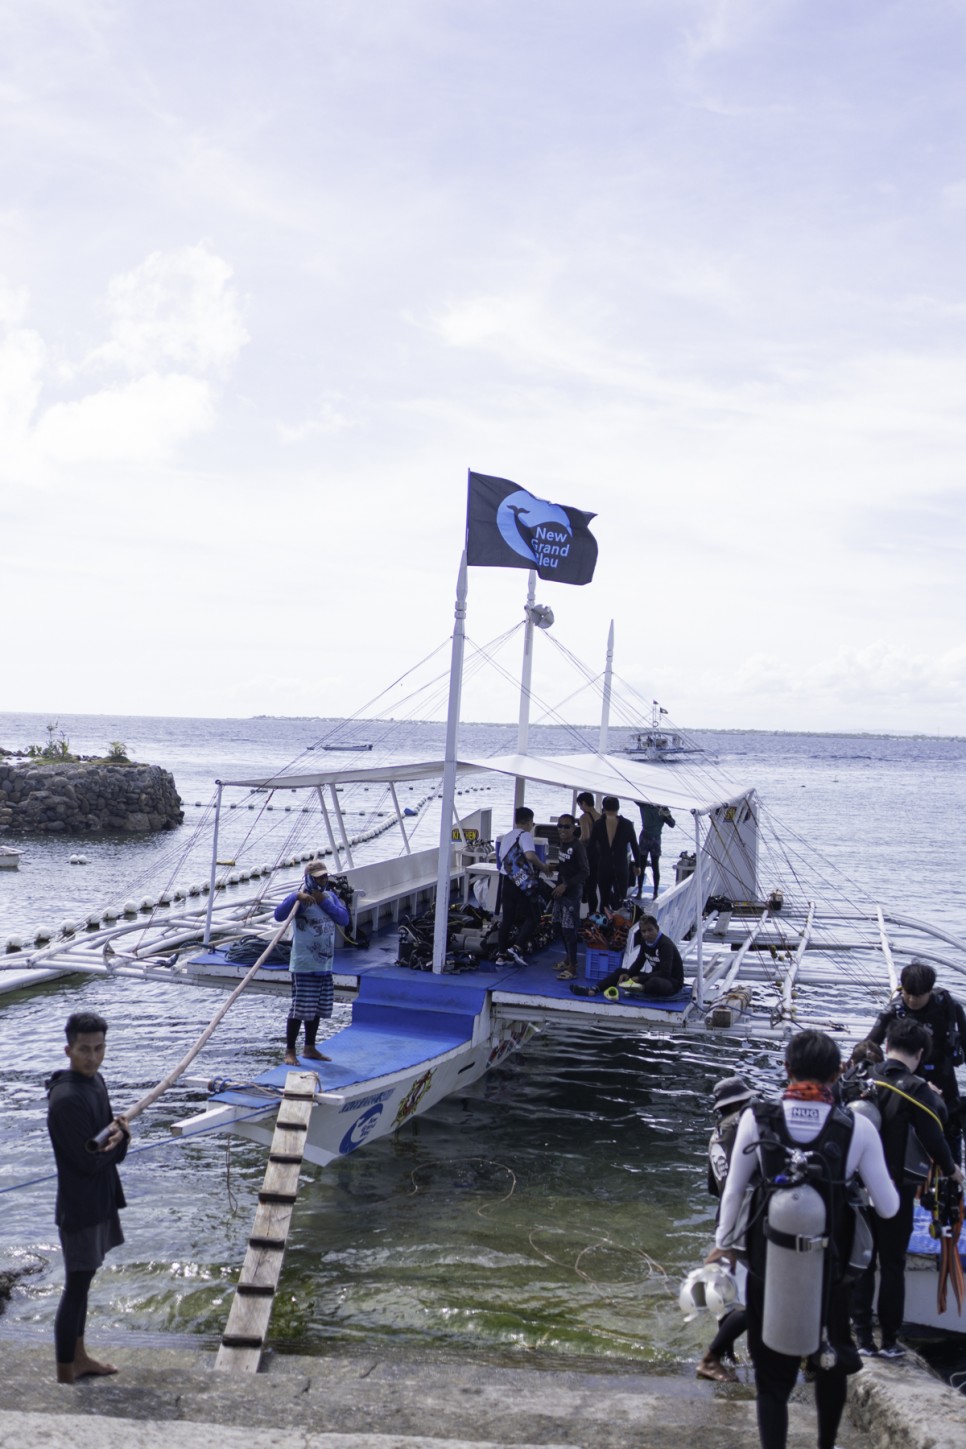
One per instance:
(312, 995)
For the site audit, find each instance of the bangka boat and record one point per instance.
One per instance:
(658, 743)
(765, 952)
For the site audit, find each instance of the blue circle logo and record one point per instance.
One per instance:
(360, 1129)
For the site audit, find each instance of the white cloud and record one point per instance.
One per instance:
(22, 356)
(330, 417)
(954, 195)
(177, 309)
(141, 421)
(13, 305)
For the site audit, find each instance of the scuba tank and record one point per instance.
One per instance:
(866, 1107)
(795, 1256)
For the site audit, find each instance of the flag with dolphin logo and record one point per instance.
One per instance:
(507, 527)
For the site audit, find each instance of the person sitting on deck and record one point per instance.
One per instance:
(657, 970)
(313, 948)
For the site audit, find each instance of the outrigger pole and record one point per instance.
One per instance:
(605, 698)
(441, 918)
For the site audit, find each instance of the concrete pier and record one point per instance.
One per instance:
(378, 1398)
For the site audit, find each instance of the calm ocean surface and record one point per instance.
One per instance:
(551, 1209)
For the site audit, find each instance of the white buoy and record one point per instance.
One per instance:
(74, 860)
(129, 908)
(194, 890)
(164, 899)
(234, 878)
(147, 903)
(219, 885)
(179, 894)
(110, 914)
(205, 887)
(14, 943)
(44, 933)
(93, 921)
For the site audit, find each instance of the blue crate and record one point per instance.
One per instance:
(599, 964)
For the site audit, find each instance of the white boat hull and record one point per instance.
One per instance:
(360, 1114)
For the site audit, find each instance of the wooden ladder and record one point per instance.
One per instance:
(244, 1337)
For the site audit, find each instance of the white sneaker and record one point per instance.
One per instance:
(517, 956)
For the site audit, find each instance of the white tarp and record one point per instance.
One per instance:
(629, 780)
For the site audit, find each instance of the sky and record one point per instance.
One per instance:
(274, 274)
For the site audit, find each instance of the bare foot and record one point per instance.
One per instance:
(91, 1366)
(313, 1054)
(290, 1059)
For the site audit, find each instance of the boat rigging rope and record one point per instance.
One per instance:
(163, 1086)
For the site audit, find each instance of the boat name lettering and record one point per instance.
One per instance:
(359, 1104)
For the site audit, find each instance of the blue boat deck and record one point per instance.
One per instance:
(402, 1017)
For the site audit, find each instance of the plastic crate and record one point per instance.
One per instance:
(601, 963)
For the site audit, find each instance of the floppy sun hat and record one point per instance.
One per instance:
(730, 1091)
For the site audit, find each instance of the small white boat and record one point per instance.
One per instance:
(657, 743)
(9, 858)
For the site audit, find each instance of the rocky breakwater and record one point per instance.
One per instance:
(87, 797)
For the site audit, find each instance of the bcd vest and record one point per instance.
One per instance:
(827, 1155)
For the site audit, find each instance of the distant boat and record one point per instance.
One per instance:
(9, 858)
(339, 748)
(657, 743)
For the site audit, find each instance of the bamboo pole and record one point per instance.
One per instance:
(97, 1142)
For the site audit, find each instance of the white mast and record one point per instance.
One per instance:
(441, 920)
(526, 676)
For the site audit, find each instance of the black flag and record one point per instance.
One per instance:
(508, 528)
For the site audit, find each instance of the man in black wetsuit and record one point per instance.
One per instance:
(572, 871)
(615, 841)
(906, 1104)
(89, 1191)
(937, 1010)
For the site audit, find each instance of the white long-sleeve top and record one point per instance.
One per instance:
(805, 1121)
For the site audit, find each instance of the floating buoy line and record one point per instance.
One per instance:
(134, 909)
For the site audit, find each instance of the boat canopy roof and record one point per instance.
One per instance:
(601, 774)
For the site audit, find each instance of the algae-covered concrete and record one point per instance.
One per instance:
(175, 1398)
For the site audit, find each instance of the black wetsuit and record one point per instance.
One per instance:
(89, 1194)
(658, 967)
(613, 867)
(943, 1015)
(892, 1235)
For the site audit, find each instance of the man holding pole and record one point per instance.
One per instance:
(89, 1191)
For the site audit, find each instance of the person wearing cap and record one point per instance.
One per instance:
(730, 1097)
(318, 912)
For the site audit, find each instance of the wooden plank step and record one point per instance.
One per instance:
(251, 1309)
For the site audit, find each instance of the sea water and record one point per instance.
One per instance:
(550, 1210)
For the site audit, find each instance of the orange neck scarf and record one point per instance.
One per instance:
(808, 1092)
